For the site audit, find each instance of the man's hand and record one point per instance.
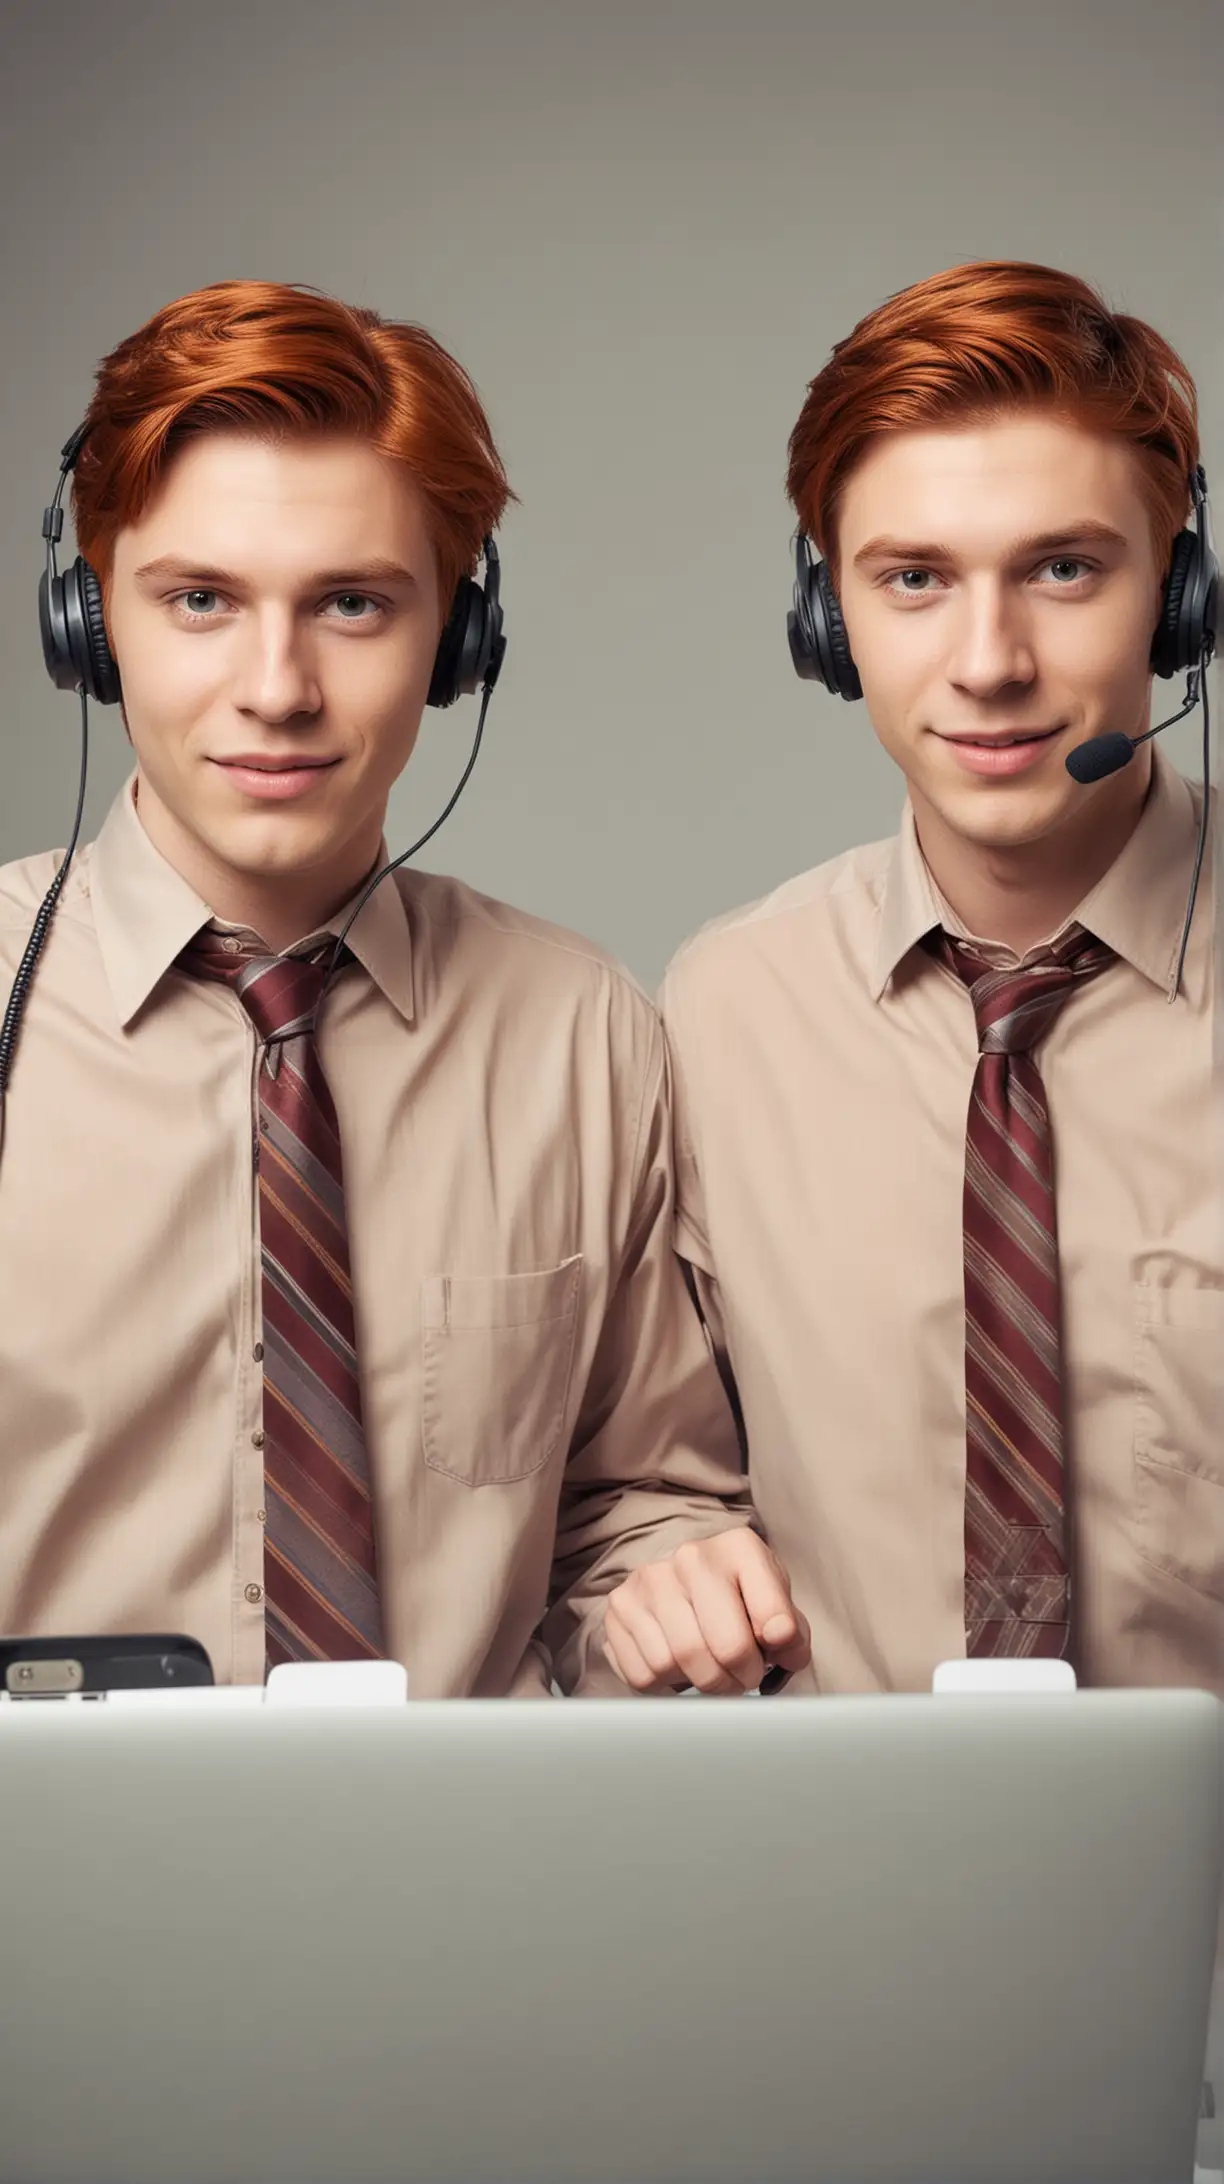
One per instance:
(717, 1614)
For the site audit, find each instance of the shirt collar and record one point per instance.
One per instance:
(1138, 908)
(909, 905)
(145, 913)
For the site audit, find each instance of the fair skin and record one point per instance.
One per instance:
(996, 580)
(716, 1615)
(276, 602)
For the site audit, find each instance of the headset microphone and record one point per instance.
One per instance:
(1101, 756)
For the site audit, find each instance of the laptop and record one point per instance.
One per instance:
(891, 1940)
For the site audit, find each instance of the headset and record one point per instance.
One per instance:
(78, 654)
(78, 657)
(1184, 640)
(820, 646)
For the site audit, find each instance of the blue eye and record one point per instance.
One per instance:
(192, 600)
(348, 600)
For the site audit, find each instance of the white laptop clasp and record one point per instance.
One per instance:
(983, 1678)
(338, 1683)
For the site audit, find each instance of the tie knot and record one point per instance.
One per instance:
(1015, 1008)
(279, 993)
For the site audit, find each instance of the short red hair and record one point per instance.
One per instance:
(270, 358)
(982, 340)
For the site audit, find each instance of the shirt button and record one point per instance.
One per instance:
(258, 1437)
(230, 945)
(257, 1353)
(254, 1594)
(262, 1515)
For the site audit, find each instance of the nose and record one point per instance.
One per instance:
(992, 644)
(276, 675)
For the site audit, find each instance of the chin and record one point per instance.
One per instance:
(1016, 810)
(1008, 823)
(278, 851)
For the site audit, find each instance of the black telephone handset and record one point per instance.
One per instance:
(87, 1668)
(774, 1680)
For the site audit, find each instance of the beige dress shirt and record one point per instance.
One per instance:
(823, 1064)
(541, 1407)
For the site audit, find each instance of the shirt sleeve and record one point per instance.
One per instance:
(656, 1457)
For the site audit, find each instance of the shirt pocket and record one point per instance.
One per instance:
(498, 1359)
(1179, 1433)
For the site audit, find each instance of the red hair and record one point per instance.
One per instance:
(982, 340)
(270, 358)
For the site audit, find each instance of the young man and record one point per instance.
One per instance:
(983, 1413)
(358, 1342)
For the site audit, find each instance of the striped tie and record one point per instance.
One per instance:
(321, 1595)
(1017, 1583)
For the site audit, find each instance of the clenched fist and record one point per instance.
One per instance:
(717, 1614)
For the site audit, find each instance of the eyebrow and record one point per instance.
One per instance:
(353, 576)
(904, 550)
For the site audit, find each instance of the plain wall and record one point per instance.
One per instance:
(641, 228)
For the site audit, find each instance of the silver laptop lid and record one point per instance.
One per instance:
(877, 1941)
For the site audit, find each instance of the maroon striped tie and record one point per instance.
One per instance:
(1017, 1584)
(320, 1580)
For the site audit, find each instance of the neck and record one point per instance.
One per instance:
(1018, 894)
(281, 907)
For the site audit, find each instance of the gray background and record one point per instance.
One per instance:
(641, 228)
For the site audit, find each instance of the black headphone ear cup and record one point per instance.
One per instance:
(76, 650)
(458, 660)
(1211, 605)
(819, 645)
(1171, 649)
(102, 677)
(843, 675)
(805, 652)
(51, 623)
